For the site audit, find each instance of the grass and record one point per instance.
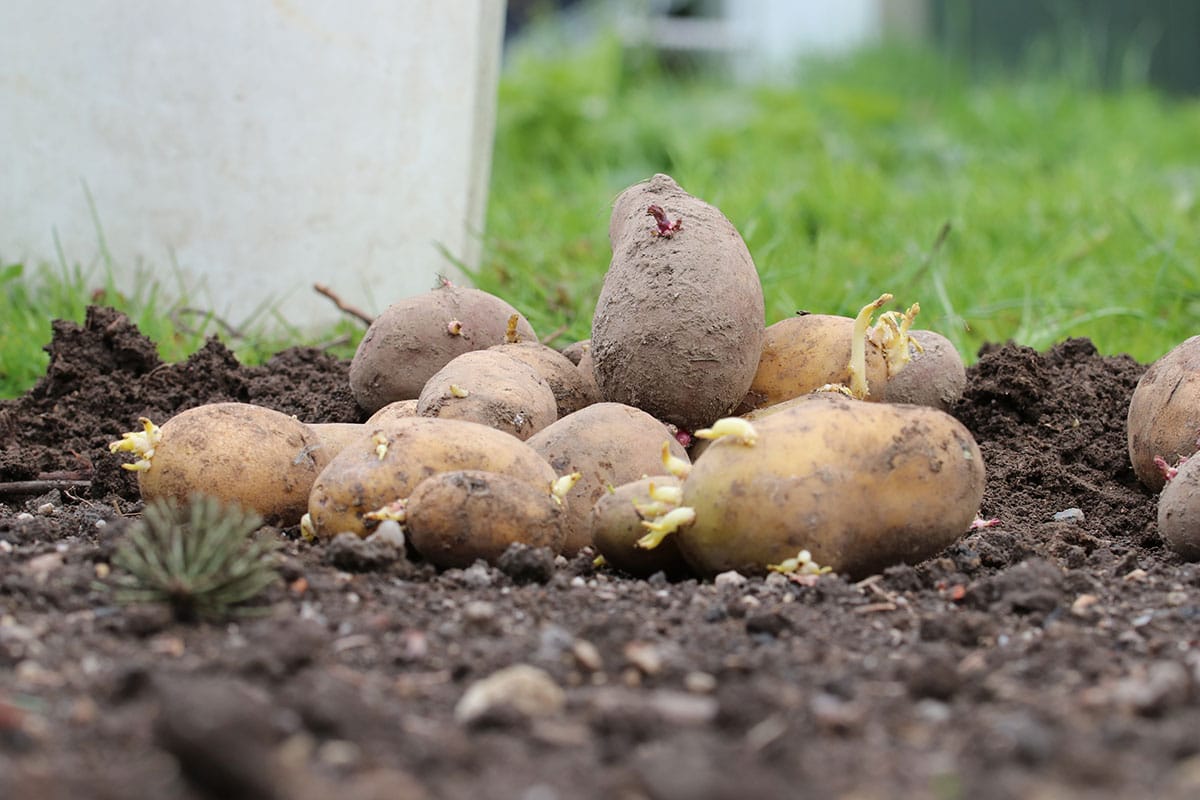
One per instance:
(1030, 209)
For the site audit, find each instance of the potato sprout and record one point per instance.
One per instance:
(141, 443)
(800, 564)
(562, 485)
(739, 429)
(663, 526)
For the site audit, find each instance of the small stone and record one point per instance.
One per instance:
(525, 564)
(645, 656)
(587, 655)
(389, 532)
(700, 683)
(1074, 515)
(46, 509)
(730, 578)
(348, 552)
(41, 566)
(477, 576)
(522, 688)
(479, 611)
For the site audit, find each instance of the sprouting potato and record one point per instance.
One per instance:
(608, 444)
(1164, 413)
(259, 458)
(388, 463)
(678, 326)
(859, 486)
(492, 388)
(619, 520)
(454, 518)
(417, 336)
(1179, 509)
(936, 375)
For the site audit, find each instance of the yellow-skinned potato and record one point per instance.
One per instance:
(415, 337)
(617, 525)
(608, 444)
(336, 435)
(396, 410)
(492, 388)
(454, 518)
(264, 460)
(860, 486)
(1164, 413)
(387, 464)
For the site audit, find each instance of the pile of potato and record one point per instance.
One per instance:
(843, 456)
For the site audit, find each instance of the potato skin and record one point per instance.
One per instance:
(358, 481)
(803, 353)
(502, 392)
(1179, 511)
(572, 389)
(396, 410)
(1164, 412)
(608, 444)
(935, 377)
(678, 326)
(860, 485)
(411, 340)
(335, 436)
(616, 527)
(262, 459)
(454, 518)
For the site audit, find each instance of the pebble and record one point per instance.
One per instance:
(645, 656)
(522, 688)
(477, 576)
(730, 578)
(1069, 515)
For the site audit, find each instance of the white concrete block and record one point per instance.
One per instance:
(259, 146)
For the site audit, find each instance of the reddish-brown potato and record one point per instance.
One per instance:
(492, 388)
(417, 336)
(678, 326)
(1164, 413)
(935, 377)
(572, 389)
(1179, 511)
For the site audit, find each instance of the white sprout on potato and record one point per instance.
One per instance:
(396, 511)
(661, 527)
(458, 391)
(674, 464)
(308, 531)
(800, 564)
(858, 346)
(140, 443)
(740, 430)
(663, 499)
(454, 327)
(563, 484)
(380, 441)
(891, 335)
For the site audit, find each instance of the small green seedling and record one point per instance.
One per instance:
(200, 559)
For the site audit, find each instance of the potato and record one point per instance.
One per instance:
(396, 410)
(935, 377)
(616, 525)
(572, 390)
(1164, 412)
(861, 486)
(454, 518)
(492, 388)
(417, 336)
(608, 444)
(336, 435)
(678, 326)
(575, 350)
(1179, 511)
(802, 354)
(388, 463)
(264, 460)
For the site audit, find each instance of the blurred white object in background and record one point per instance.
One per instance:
(255, 148)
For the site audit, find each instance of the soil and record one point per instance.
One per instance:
(1050, 655)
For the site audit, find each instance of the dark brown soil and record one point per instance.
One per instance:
(1036, 658)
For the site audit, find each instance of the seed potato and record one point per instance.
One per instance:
(617, 526)
(262, 459)
(608, 444)
(1179, 511)
(396, 410)
(417, 336)
(1164, 412)
(388, 463)
(935, 377)
(678, 326)
(492, 388)
(336, 435)
(454, 518)
(572, 390)
(861, 486)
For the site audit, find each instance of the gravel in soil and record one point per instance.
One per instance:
(1050, 655)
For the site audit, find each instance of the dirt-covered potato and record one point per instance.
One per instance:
(935, 377)
(608, 444)
(617, 519)
(575, 350)
(387, 464)
(859, 486)
(572, 390)
(262, 459)
(396, 410)
(492, 388)
(1179, 511)
(417, 336)
(678, 326)
(454, 518)
(1164, 413)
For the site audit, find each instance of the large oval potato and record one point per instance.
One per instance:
(678, 326)
(415, 337)
(262, 459)
(607, 444)
(617, 527)
(388, 463)
(454, 518)
(861, 486)
(492, 388)
(1164, 412)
